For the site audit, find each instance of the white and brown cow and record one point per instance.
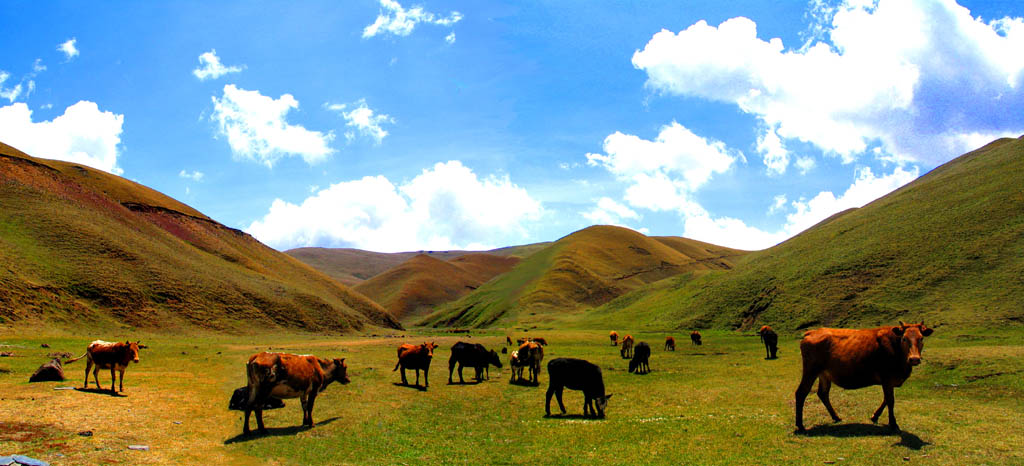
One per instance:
(283, 375)
(107, 355)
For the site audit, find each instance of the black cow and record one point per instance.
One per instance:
(641, 353)
(577, 374)
(472, 355)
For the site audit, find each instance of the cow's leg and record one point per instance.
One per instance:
(824, 385)
(460, 374)
(806, 382)
(120, 380)
(96, 376)
(113, 378)
(245, 427)
(588, 407)
(88, 367)
(547, 399)
(558, 396)
(305, 398)
(259, 417)
(426, 381)
(451, 368)
(878, 412)
(309, 408)
(404, 381)
(890, 400)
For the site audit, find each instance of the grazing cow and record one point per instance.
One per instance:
(516, 365)
(283, 375)
(627, 347)
(614, 336)
(770, 340)
(472, 355)
(415, 357)
(639, 363)
(854, 359)
(49, 372)
(539, 340)
(530, 356)
(695, 338)
(107, 355)
(670, 343)
(508, 340)
(577, 374)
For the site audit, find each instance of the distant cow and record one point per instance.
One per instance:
(859, 358)
(415, 357)
(695, 338)
(576, 374)
(283, 375)
(670, 343)
(641, 355)
(530, 356)
(539, 340)
(627, 347)
(520, 341)
(49, 372)
(107, 355)
(508, 340)
(770, 340)
(471, 355)
(614, 336)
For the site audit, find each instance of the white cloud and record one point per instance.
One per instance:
(445, 207)
(83, 134)
(916, 77)
(68, 48)
(778, 203)
(363, 120)
(450, 38)
(609, 212)
(805, 164)
(211, 67)
(256, 128)
(9, 93)
(398, 21)
(194, 176)
(773, 151)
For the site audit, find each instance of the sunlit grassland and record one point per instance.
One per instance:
(717, 403)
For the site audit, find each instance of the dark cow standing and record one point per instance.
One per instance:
(472, 355)
(508, 340)
(283, 375)
(614, 336)
(577, 374)
(627, 347)
(416, 357)
(770, 340)
(107, 355)
(695, 338)
(859, 358)
(641, 355)
(670, 343)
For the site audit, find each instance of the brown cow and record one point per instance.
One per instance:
(854, 359)
(695, 338)
(770, 340)
(670, 343)
(539, 340)
(107, 355)
(283, 375)
(614, 337)
(416, 357)
(627, 347)
(530, 356)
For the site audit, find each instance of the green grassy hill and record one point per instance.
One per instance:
(80, 248)
(947, 248)
(584, 269)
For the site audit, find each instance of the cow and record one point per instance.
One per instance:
(670, 343)
(770, 340)
(539, 340)
(283, 375)
(520, 341)
(508, 340)
(577, 374)
(530, 356)
(641, 355)
(516, 365)
(627, 347)
(472, 355)
(853, 359)
(107, 355)
(614, 336)
(415, 357)
(49, 372)
(695, 338)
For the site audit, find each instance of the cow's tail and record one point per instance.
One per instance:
(69, 361)
(396, 365)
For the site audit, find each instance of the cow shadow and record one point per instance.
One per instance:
(468, 382)
(277, 432)
(907, 439)
(100, 391)
(524, 383)
(417, 387)
(573, 416)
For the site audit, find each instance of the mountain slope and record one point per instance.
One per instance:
(83, 248)
(947, 248)
(423, 282)
(586, 268)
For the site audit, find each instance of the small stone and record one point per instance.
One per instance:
(85, 433)
(177, 422)
(139, 447)
(906, 458)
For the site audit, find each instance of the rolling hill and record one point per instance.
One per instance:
(584, 269)
(85, 249)
(419, 284)
(947, 248)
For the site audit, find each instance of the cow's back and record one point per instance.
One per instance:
(107, 354)
(851, 358)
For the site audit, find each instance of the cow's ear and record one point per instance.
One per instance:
(926, 331)
(898, 330)
(608, 397)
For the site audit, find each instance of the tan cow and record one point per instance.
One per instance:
(107, 355)
(416, 357)
(614, 336)
(530, 355)
(627, 347)
(283, 375)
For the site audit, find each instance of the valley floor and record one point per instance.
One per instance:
(720, 403)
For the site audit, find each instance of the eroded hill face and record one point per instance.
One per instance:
(83, 248)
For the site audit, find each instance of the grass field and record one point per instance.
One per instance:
(720, 403)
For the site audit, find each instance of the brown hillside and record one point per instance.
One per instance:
(84, 248)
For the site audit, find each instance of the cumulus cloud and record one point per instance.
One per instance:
(363, 121)
(210, 67)
(69, 49)
(918, 78)
(194, 176)
(609, 212)
(444, 207)
(396, 20)
(9, 93)
(256, 128)
(450, 38)
(83, 134)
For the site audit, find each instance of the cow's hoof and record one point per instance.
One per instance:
(895, 428)
(874, 420)
(800, 430)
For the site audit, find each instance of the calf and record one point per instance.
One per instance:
(415, 357)
(614, 336)
(695, 338)
(627, 347)
(859, 358)
(107, 355)
(530, 356)
(472, 355)
(770, 340)
(516, 365)
(670, 343)
(639, 363)
(577, 374)
(283, 375)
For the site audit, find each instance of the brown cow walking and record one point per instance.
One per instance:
(695, 338)
(283, 375)
(614, 337)
(670, 343)
(107, 355)
(415, 357)
(856, 359)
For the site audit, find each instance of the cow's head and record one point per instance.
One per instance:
(633, 364)
(912, 340)
(602, 403)
(340, 372)
(133, 348)
(514, 359)
(494, 359)
(764, 329)
(430, 348)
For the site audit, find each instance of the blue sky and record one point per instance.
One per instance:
(397, 126)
